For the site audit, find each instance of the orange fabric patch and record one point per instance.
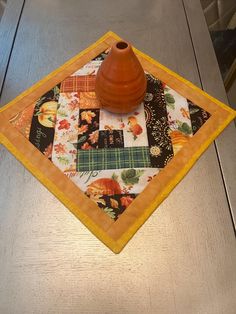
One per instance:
(88, 100)
(22, 120)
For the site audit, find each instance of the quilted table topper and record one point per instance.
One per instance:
(110, 170)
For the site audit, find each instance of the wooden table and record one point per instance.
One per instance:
(183, 259)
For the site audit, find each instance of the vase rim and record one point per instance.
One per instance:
(122, 46)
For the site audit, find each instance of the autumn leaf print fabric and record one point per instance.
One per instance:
(110, 157)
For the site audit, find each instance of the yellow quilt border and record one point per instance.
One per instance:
(162, 196)
(115, 246)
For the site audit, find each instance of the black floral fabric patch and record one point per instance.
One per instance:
(111, 139)
(198, 116)
(115, 205)
(88, 129)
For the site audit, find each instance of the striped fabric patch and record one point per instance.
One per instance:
(78, 84)
(113, 158)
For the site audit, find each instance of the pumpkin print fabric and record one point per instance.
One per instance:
(110, 157)
(44, 120)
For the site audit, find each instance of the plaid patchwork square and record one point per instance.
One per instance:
(78, 84)
(113, 158)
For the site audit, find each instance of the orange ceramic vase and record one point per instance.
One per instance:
(120, 82)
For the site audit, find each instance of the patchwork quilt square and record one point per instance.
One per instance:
(110, 170)
(111, 139)
(77, 83)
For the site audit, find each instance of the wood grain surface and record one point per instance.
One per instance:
(8, 28)
(212, 83)
(181, 261)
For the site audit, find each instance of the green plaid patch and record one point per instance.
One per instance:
(113, 158)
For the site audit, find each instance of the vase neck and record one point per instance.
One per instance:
(121, 49)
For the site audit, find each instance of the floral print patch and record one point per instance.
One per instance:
(116, 204)
(130, 180)
(133, 125)
(178, 118)
(90, 68)
(88, 129)
(113, 190)
(64, 150)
